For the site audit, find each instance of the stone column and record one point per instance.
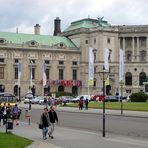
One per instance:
(147, 48)
(133, 49)
(124, 43)
(138, 53)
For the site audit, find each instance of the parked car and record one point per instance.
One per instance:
(42, 100)
(111, 99)
(97, 98)
(36, 100)
(84, 98)
(65, 99)
(28, 98)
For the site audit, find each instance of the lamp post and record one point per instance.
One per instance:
(103, 75)
(121, 89)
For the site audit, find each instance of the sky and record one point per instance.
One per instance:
(24, 14)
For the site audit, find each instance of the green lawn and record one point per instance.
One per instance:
(135, 106)
(8, 140)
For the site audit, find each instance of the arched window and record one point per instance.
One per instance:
(61, 88)
(74, 90)
(128, 78)
(47, 90)
(142, 78)
(16, 90)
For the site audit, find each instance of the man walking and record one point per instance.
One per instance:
(53, 117)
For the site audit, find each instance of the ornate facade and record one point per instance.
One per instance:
(66, 58)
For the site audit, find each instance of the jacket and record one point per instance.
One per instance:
(53, 116)
(44, 120)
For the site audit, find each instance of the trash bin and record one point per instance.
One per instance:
(9, 123)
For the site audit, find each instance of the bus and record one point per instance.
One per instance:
(7, 98)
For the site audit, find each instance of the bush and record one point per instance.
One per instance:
(139, 97)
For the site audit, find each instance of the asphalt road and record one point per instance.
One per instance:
(126, 126)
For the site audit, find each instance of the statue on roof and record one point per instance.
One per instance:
(100, 19)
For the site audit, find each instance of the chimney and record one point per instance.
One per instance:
(57, 26)
(37, 29)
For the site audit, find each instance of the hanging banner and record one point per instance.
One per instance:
(91, 67)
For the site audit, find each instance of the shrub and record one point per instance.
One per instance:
(139, 97)
(58, 94)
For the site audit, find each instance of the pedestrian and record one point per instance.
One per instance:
(81, 103)
(4, 112)
(45, 122)
(1, 113)
(56, 103)
(53, 117)
(15, 113)
(86, 104)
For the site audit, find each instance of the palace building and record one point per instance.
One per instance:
(66, 57)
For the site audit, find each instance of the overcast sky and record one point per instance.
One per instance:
(24, 14)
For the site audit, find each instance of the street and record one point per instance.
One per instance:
(119, 125)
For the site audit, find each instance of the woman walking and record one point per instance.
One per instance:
(45, 122)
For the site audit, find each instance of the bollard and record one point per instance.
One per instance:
(27, 115)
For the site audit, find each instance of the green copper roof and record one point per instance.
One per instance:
(20, 38)
(88, 23)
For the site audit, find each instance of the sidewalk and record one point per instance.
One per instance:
(72, 138)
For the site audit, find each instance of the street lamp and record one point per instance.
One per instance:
(121, 89)
(103, 75)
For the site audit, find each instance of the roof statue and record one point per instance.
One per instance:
(100, 19)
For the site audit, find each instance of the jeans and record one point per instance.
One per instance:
(45, 131)
(51, 129)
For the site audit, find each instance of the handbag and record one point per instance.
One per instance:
(40, 126)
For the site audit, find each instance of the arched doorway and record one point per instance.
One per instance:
(61, 88)
(33, 89)
(74, 90)
(128, 78)
(47, 90)
(108, 89)
(16, 91)
(142, 78)
(2, 88)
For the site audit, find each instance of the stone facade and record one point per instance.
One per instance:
(133, 39)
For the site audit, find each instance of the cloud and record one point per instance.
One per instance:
(25, 14)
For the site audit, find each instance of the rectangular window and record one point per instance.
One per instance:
(1, 60)
(48, 74)
(74, 74)
(16, 60)
(108, 40)
(16, 73)
(32, 61)
(61, 74)
(1, 72)
(47, 62)
(33, 73)
(61, 62)
(86, 41)
(74, 63)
